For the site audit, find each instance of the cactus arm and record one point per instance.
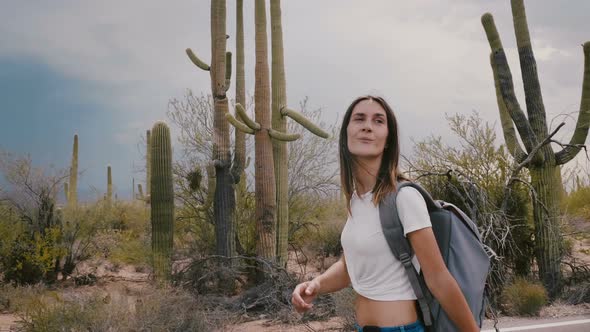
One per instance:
(241, 112)
(196, 60)
(284, 137)
(507, 125)
(504, 78)
(507, 90)
(528, 68)
(487, 20)
(299, 118)
(227, 70)
(521, 29)
(581, 131)
(239, 125)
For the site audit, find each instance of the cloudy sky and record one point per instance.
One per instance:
(107, 69)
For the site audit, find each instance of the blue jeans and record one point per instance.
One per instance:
(414, 327)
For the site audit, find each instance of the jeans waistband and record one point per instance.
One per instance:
(414, 327)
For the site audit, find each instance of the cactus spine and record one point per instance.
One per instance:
(73, 184)
(162, 200)
(279, 124)
(538, 156)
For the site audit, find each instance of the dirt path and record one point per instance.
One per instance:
(7, 321)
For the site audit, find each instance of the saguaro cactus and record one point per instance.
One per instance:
(140, 192)
(280, 112)
(109, 185)
(538, 156)
(265, 183)
(148, 152)
(73, 184)
(66, 192)
(162, 200)
(220, 72)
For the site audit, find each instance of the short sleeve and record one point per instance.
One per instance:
(412, 210)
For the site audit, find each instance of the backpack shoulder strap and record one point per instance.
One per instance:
(401, 248)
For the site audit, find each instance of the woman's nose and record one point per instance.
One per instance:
(367, 126)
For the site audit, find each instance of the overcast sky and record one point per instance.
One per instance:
(107, 69)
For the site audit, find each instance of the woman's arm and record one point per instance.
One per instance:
(335, 278)
(332, 280)
(440, 281)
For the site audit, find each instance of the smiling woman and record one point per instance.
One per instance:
(369, 158)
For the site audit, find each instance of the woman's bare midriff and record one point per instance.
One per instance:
(384, 313)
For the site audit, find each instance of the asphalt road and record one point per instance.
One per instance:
(565, 324)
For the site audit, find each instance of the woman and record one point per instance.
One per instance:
(369, 156)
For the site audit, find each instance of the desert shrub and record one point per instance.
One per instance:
(524, 297)
(325, 241)
(131, 249)
(13, 298)
(165, 309)
(344, 306)
(317, 222)
(577, 294)
(577, 202)
(169, 309)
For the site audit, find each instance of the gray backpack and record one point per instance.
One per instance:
(460, 244)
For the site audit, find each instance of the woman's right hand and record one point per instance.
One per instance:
(304, 294)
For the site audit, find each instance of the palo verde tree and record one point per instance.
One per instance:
(220, 72)
(538, 156)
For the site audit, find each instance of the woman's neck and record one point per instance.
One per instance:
(365, 174)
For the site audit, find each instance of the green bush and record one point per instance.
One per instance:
(578, 203)
(524, 298)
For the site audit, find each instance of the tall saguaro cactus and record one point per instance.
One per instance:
(162, 200)
(73, 184)
(538, 156)
(220, 72)
(280, 112)
(268, 137)
(147, 162)
(239, 162)
(109, 185)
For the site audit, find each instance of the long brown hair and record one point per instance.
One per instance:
(389, 172)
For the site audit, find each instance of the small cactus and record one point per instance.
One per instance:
(66, 192)
(162, 200)
(140, 192)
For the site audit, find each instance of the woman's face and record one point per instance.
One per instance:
(367, 130)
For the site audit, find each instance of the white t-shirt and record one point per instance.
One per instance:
(374, 272)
